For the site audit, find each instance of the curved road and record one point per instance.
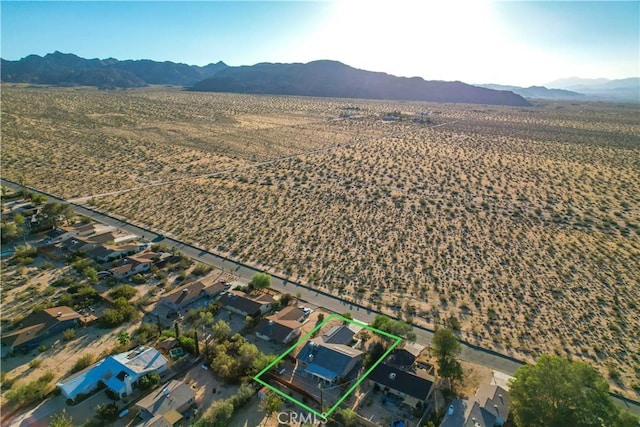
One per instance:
(470, 353)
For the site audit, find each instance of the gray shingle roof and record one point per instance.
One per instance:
(399, 380)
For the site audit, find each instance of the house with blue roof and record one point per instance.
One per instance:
(119, 373)
(328, 362)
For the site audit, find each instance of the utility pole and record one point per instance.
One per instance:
(321, 399)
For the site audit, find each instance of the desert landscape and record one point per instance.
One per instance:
(518, 226)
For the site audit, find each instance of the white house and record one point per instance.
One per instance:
(119, 372)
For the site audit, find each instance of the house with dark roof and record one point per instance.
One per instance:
(341, 334)
(174, 399)
(488, 408)
(281, 327)
(247, 304)
(405, 357)
(328, 362)
(41, 325)
(414, 390)
(119, 372)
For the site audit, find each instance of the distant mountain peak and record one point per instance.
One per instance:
(328, 78)
(624, 90)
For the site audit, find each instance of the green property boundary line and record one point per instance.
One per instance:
(325, 415)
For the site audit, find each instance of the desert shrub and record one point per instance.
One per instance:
(108, 412)
(64, 282)
(122, 312)
(30, 391)
(35, 363)
(5, 381)
(146, 332)
(25, 252)
(69, 334)
(149, 381)
(82, 363)
(123, 291)
(200, 270)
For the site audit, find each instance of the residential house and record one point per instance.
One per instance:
(133, 265)
(188, 295)
(405, 357)
(488, 408)
(247, 304)
(80, 230)
(414, 390)
(41, 325)
(180, 298)
(119, 373)
(290, 313)
(105, 253)
(341, 334)
(328, 362)
(281, 327)
(171, 401)
(166, 420)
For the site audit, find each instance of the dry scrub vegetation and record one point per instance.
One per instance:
(522, 223)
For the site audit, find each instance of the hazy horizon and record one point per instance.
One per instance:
(479, 42)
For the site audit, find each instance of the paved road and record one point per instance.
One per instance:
(470, 353)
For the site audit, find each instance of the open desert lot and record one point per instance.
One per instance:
(522, 224)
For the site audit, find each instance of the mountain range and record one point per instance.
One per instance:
(337, 80)
(537, 92)
(318, 78)
(602, 89)
(66, 69)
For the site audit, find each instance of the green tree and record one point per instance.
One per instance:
(18, 219)
(51, 214)
(395, 327)
(446, 348)
(124, 338)
(187, 343)
(348, 417)
(123, 291)
(556, 392)
(374, 353)
(247, 354)
(8, 232)
(149, 381)
(445, 344)
(107, 412)
(271, 404)
(221, 330)
(626, 419)
(220, 413)
(260, 281)
(61, 420)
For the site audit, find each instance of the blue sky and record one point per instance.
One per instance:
(476, 41)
